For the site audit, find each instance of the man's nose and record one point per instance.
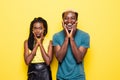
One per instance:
(69, 20)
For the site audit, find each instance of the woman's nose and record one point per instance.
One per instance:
(37, 30)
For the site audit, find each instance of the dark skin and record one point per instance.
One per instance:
(38, 30)
(70, 27)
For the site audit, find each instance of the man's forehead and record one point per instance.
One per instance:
(69, 11)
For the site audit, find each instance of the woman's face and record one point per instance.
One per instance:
(38, 29)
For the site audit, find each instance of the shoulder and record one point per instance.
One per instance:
(26, 42)
(50, 41)
(59, 33)
(82, 33)
(46, 40)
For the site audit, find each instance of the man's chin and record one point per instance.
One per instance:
(69, 31)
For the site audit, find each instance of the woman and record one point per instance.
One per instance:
(35, 55)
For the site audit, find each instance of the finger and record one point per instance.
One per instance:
(41, 35)
(71, 31)
(64, 26)
(34, 35)
(42, 32)
(76, 22)
(74, 25)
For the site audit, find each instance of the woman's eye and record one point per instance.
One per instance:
(40, 28)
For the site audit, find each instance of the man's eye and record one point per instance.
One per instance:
(34, 28)
(40, 28)
(72, 17)
(65, 18)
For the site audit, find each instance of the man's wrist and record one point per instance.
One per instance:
(66, 38)
(71, 39)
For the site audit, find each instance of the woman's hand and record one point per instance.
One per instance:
(39, 40)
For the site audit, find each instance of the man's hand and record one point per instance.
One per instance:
(72, 32)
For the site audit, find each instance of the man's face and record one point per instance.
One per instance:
(69, 19)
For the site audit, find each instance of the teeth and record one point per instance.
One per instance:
(69, 24)
(37, 34)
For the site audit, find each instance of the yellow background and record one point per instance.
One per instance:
(100, 18)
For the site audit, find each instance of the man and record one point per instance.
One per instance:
(70, 47)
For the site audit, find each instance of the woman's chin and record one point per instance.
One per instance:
(38, 36)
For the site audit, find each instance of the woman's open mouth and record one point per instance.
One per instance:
(38, 35)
